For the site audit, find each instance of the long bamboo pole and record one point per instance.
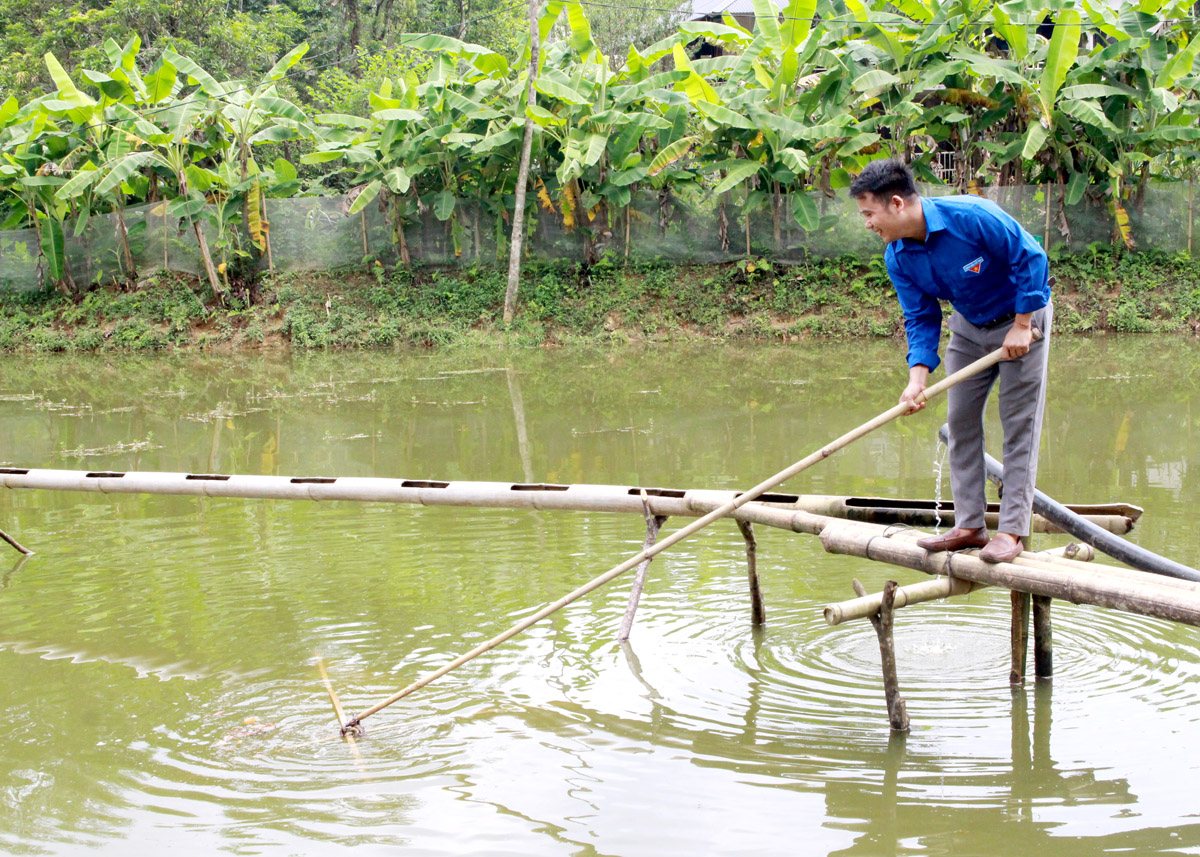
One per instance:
(679, 535)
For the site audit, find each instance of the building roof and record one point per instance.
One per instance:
(716, 8)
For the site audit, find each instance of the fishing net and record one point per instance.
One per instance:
(695, 227)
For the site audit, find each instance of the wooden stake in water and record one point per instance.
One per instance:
(882, 622)
(653, 525)
(348, 732)
(679, 535)
(20, 547)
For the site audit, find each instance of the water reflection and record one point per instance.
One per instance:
(889, 804)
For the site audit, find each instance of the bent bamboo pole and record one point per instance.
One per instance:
(681, 534)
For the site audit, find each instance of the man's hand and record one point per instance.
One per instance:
(1019, 338)
(918, 376)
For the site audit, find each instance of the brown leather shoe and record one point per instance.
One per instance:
(1002, 549)
(955, 540)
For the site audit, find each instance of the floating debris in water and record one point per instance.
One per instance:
(221, 412)
(376, 435)
(250, 728)
(416, 401)
(112, 449)
(630, 429)
(63, 409)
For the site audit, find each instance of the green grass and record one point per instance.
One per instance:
(1101, 289)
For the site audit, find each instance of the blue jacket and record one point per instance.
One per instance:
(975, 256)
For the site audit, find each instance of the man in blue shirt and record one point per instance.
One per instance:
(968, 251)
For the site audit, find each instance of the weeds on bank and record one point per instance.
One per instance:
(1101, 289)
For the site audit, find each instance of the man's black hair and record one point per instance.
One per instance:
(884, 179)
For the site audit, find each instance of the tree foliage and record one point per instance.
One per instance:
(1095, 100)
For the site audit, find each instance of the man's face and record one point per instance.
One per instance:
(884, 217)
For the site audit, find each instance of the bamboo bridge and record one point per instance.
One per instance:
(878, 529)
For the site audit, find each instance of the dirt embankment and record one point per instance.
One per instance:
(1101, 291)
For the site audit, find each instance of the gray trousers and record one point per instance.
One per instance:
(1022, 400)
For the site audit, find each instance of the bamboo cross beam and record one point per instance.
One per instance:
(679, 535)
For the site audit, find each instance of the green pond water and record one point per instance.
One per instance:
(158, 655)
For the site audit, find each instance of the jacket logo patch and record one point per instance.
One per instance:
(973, 267)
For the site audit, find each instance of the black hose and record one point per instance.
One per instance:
(1084, 530)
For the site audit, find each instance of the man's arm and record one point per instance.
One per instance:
(922, 328)
(922, 318)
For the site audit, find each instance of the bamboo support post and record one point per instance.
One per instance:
(1191, 209)
(653, 525)
(1020, 636)
(20, 547)
(1043, 651)
(679, 535)
(758, 613)
(882, 622)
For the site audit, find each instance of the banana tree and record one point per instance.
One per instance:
(1129, 108)
(255, 116)
(103, 131)
(31, 171)
(172, 152)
